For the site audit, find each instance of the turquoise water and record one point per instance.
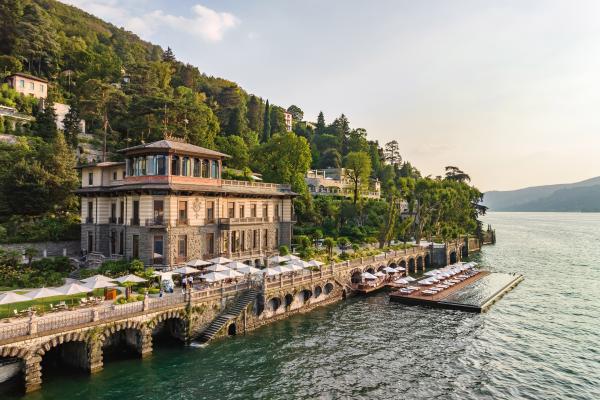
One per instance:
(541, 341)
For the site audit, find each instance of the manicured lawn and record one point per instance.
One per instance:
(42, 305)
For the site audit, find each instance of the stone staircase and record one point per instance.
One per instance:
(232, 313)
(345, 285)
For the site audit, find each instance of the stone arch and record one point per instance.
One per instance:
(274, 303)
(356, 276)
(453, 257)
(132, 335)
(257, 262)
(328, 288)
(174, 322)
(370, 269)
(381, 267)
(411, 265)
(289, 299)
(403, 263)
(232, 329)
(393, 264)
(25, 368)
(303, 296)
(318, 291)
(420, 263)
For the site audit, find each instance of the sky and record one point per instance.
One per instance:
(509, 91)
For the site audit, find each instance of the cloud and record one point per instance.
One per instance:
(203, 23)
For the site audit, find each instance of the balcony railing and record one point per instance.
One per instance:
(225, 222)
(134, 221)
(182, 221)
(112, 220)
(158, 221)
(120, 220)
(276, 186)
(89, 220)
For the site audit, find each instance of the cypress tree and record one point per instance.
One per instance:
(320, 128)
(267, 123)
(45, 121)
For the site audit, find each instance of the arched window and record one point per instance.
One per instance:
(205, 169)
(175, 165)
(196, 167)
(185, 167)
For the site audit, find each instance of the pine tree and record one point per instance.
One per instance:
(45, 121)
(321, 127)
(267, 123)
(71, 126)
(168, 55)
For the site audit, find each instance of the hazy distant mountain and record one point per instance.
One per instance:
(582, 196)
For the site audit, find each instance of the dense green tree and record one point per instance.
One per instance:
(277, 119)
(255, 114)
(168, 56)
(456, 174)
(238, 150)
(297, 113)
(10, 15)
(359, 171)
(71, 127)
(321, 127)
(37, 40)
(392, 153)
(45, 121)
(285, 158)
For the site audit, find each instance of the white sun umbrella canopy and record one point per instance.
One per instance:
(72, 288)
(217, 268)
(295, 267)
(220, 260)
(12, 297)
(99, 284)
(185, 270)
(130, 278)
(277, 259)
(282, 268)
(300, 263)
(248, 270)
(96, 278)
(379, 274)
(315, 263)
(231, 273)
(410, 279)
(390, 270)
(197, 263)
(401, 281)
(42, 293)
(213, 277)
(367, 275)
(291, 257)
(236, 265)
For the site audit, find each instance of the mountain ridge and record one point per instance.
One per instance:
(582, 196)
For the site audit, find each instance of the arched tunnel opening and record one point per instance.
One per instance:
(12, 377)
(122, 345)
(70, 357)
(453, 258)
(170, 332)
(328, 288)
(289, 299)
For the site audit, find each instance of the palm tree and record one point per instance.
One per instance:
(329, 244)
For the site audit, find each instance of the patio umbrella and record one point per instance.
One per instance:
(130, 279)
(231, 273)
(220, 260)
(379, 274)
(185, 270)
(42, 293)
(12, 297)
(197, 263)
(213, 277)
(300, 263)
(315, 263)
(236, 265)
(272, 271)
(217, 268)
(248, 270)
(282, 269)
(277, 259)
(72, 288)
(430, 273)
(97, 277)
(367, 275)
(295, 267)
(402, 281)
(99, 284)
(410, 279)
(291, 257)
(390, 270)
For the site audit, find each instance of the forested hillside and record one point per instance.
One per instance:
(130, 91)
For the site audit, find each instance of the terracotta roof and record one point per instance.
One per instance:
(102, 164)
(29, 77)
(174, 145)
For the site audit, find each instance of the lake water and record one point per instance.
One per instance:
(541, 341)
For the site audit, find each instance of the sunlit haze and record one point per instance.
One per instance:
(508, 91)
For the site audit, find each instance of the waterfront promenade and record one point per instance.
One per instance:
(83, 335)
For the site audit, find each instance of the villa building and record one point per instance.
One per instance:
(28, 85)
(288, 121)
(167, 204)
(335, 182)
